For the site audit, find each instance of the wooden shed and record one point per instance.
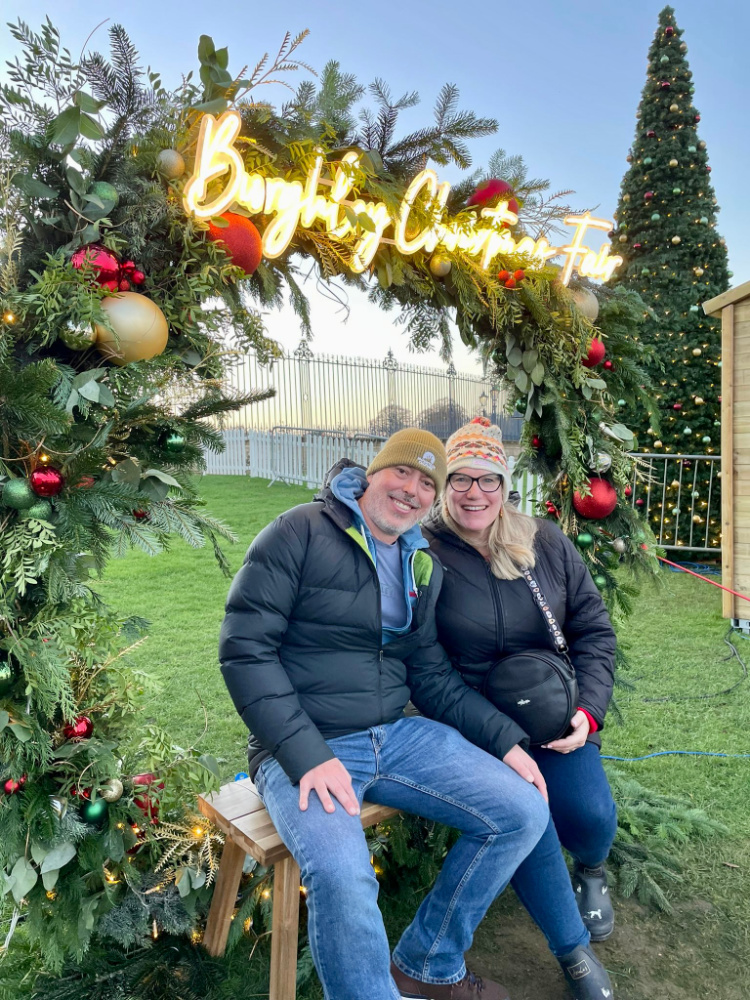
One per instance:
(733, 307)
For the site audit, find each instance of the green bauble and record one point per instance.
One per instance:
(585, 540)
(175, 443)
(78, 338)
(19, 494)
(41, 510)
(7, 677)
(106, 193)
(94, 812)
(600, 581)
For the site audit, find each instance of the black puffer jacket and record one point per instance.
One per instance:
(301, 645)
(481, 618)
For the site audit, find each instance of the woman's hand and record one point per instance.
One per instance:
(525, 765)
(577, 738)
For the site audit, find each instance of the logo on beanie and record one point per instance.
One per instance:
(427, 461)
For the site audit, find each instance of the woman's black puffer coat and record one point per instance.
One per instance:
(481, 619)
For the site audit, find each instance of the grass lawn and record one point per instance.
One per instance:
(674, 640)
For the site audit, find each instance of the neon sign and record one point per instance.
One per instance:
(294, 204)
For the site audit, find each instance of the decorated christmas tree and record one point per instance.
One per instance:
(673, 254)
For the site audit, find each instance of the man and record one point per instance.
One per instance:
(329, 631)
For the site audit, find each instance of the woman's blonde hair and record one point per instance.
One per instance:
(511, 541)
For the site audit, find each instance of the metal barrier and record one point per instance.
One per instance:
(680, 497)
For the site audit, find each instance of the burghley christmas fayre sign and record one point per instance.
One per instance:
(293, 204)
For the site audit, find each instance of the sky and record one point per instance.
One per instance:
(563, 83)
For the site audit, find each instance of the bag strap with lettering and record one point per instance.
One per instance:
(543, 604)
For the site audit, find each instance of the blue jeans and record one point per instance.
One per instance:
(429, 769)
(584, 819)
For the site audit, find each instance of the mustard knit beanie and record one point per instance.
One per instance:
(416, 448)
(479, 445)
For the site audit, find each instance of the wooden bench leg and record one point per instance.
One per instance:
(222, 903)
(285, 927)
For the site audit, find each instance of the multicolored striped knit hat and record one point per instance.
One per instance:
(479, 445)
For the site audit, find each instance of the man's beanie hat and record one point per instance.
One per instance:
(479, 445)
(418, 449)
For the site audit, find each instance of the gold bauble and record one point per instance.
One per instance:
(699, 400)
(112, 790)
(140, 327)
(698, 271)
(170, 164)
(697, 352)
(676, 240)
(657, 444)
(586, 302)
(440, 265)
(673, 162)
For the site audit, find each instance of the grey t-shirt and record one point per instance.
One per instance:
(391, 577)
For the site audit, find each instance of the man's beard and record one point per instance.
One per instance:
(382, 521)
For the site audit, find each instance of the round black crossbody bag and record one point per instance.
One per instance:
(536, 688)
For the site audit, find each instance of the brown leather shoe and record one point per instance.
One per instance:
(471, 987)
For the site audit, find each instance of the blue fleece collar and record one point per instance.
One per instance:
(348, 486)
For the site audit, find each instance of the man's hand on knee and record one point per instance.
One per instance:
(330, 779)
(526, 766)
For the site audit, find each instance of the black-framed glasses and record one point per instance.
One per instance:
(462, 483)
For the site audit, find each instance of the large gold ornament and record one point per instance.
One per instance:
(140, 327)
(586, 302)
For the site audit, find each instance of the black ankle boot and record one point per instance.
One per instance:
(594, 903)
(586, 976)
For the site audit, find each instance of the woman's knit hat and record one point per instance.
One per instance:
(479, 445)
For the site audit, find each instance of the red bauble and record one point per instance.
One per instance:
(600, 503)
(708, 169)
(141, 515)
(510, 283)
(142, 799)
(669, 31)
(137, 277)
(241, 241)
(697, 118)
(85, 483)
(637, 246)
(551, 509)
(519, 275)
(639, 503)
(81, 729)
(111, 286)
(608, 365)
(677, 406)
(595, 355)
(12, 786)
(648, 195)
(493, 190)
(651, 134)
(103, 262)
(503, 275)
(665, 85)
(46, 481)
(628, 491)
(536, 441)
(124, 285)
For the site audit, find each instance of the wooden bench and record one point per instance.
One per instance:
(236, 809)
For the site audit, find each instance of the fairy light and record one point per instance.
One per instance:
(198, 832)
(293, 204)
(9, 317)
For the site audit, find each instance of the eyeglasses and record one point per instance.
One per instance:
(487, 483)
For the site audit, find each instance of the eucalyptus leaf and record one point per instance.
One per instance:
(366, 222)
(22, 733)
(530, 359)
(33, 187)
(87, 914)
(24, 878)
(206, 48)
(90, 390)
(4, 719)
(76, 180)
(84, 377)
(39, 852)
(214, 107)
(87, 103)
(515, 357)
(105, 395)
(154, 489)
(537, 375)
(163, 476)
(127, 471)
(90, 128)
(587, 391)
(623, 432)
(596, 383)
(66, 126)
(198, 878)
(522, 382)
(59, 857)
(218, 222)
(182, 881)
(49, 879)
(210, 763)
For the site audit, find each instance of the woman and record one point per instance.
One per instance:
(486, 611)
